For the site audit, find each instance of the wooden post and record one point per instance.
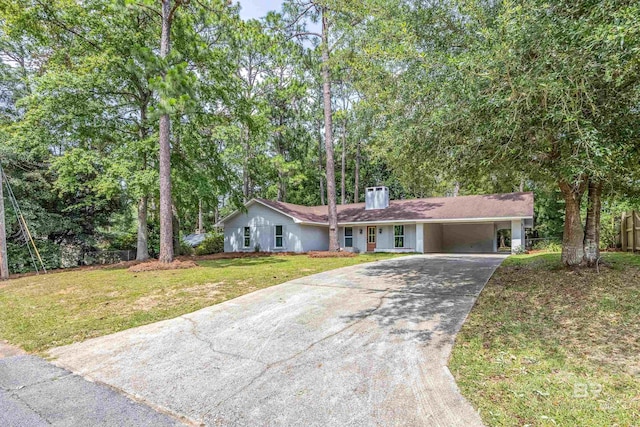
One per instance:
(634, 231)
(623, 232)
(4, 264)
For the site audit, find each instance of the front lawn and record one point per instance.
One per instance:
(41, 312)
(545, 346)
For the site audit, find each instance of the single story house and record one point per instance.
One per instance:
(440, 224)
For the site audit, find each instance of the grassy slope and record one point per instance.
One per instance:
(545, 346)
(41, 312)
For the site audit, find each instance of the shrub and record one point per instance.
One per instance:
(184, 248)
(123, 241)
(19, 259)
(213, 244)
(550, 245)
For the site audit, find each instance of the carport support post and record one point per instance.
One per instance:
(4, 267)
(517, 236)
(420, 238)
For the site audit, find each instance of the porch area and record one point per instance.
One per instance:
(431, 237)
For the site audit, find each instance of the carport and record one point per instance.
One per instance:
(469, 237)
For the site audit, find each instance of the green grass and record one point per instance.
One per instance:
(546, 346)
(41, 312)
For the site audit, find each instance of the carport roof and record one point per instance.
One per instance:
(485, 207)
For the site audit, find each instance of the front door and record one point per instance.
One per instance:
(371, 239)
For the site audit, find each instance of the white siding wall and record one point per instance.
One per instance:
(517, 236)
(385, 240)
(468, 237)
(314, 238)
(359, 240)
(262, 221)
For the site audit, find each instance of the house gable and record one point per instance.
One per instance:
(262, 221)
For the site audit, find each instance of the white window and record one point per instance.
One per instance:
(247, 237)
(279, 236)
(398, 236)
(348, 237)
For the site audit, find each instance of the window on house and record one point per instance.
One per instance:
(348, 237)
(279, 236)
(398, 236)
(247, 237)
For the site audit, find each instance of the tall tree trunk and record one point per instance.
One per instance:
(592, 228)
(175, 222)
(343, 165)
(166, 218)
(282, 188)
(200, 218)
(246, 175)
(322, 191)
(356, 184)
(573, 234)
(282, 178)
(4, 263)
(142, 247)
(152, 210)
(328, 136)
(142, 252)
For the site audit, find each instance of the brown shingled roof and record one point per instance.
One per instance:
(510, 205)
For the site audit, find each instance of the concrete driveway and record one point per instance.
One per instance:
(363, 345)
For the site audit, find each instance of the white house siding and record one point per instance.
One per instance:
(359, 239)
(385, 239)
(315, 238)
(262, 222)
(517, 236)
(468, 237)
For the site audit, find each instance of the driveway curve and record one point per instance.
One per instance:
(358, 346)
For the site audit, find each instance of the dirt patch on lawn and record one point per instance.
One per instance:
(8, 350)
(156, 265)
(330, 254)
(176, 296)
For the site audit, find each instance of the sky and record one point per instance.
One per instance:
(258, 8)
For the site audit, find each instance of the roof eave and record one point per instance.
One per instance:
(436, 220)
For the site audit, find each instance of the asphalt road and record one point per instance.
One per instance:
(35, 393)
(363, 345)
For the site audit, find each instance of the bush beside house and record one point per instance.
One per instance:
(212, 244)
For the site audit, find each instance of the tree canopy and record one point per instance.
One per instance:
(309, 105)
